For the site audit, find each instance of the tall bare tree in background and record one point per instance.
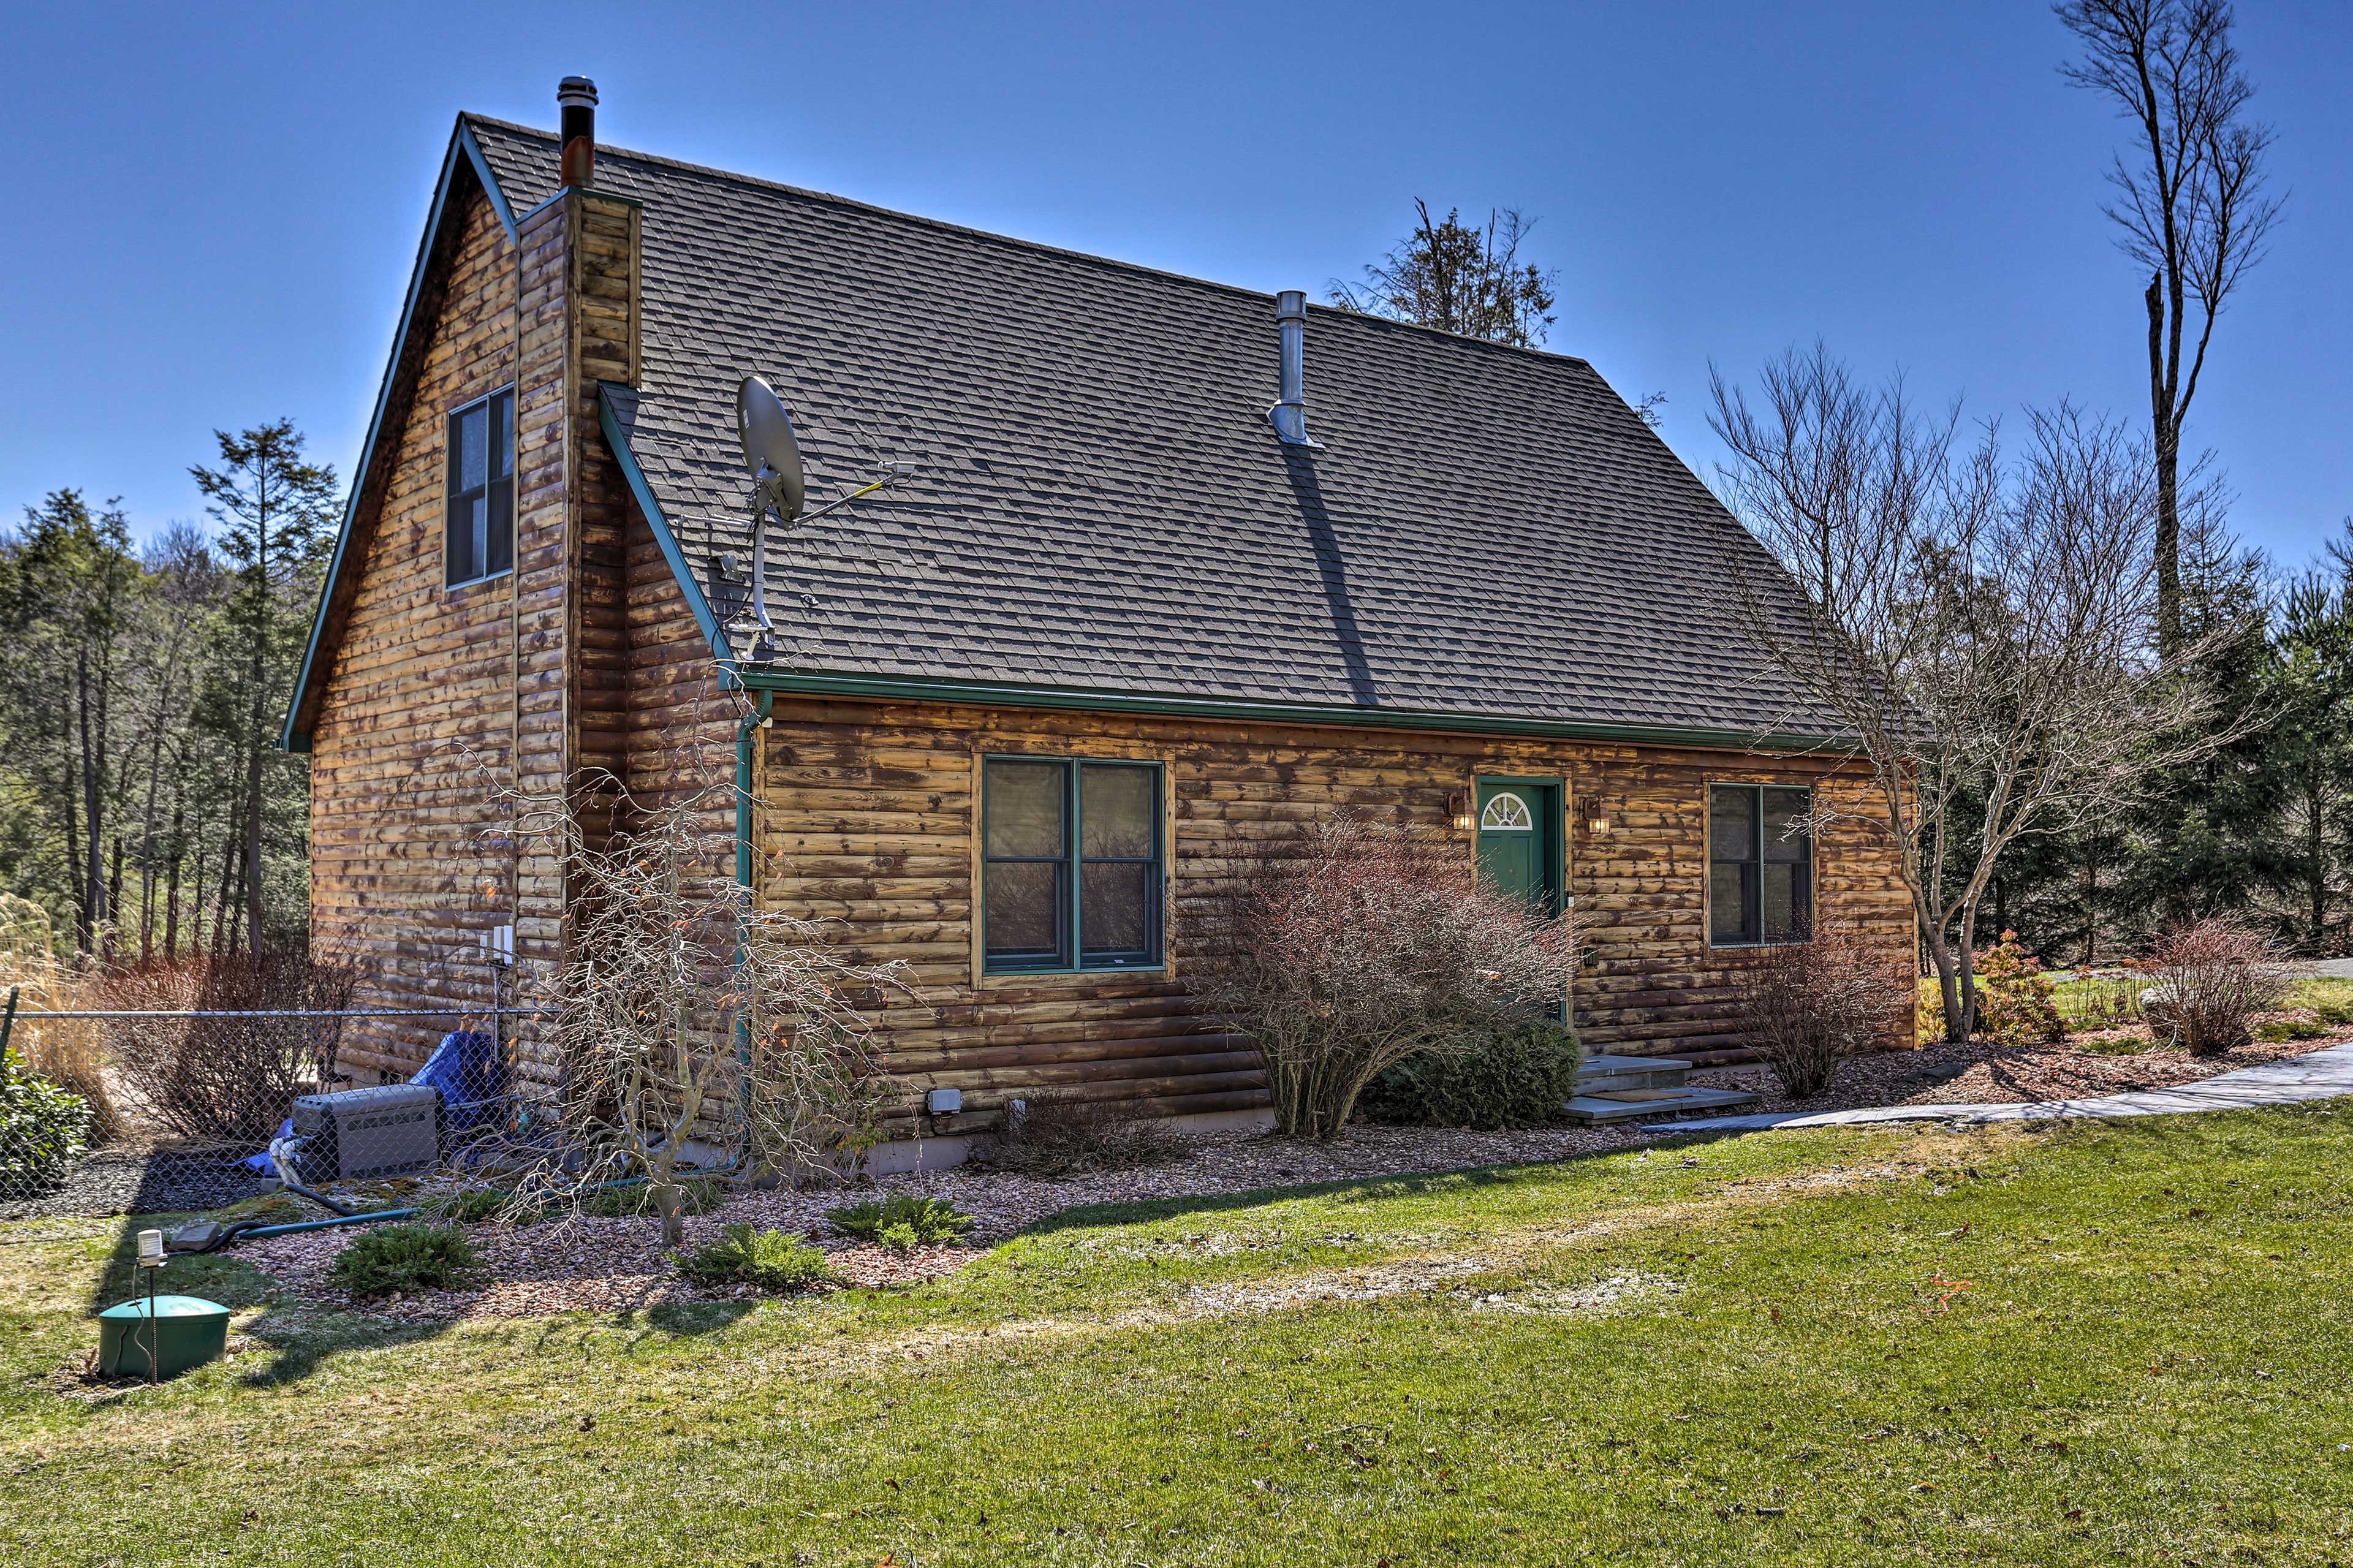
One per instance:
(2191, 204)
(1460, 279)
(1981, 629)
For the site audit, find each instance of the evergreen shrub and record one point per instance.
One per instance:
(1516, 1077)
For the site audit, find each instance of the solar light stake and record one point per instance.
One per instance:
(151, 1264)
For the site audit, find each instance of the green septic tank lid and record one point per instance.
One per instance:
(166, 1306)
(186, 1331)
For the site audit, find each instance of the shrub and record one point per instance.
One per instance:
(2212, 976)
(768, 1258)
(226, 1080)
(42, 1129)
(470, 1205)
(1807, 1005)
(1055, 1134)
(1520, 1078)
(1370, 944)
(2015, 1006)
(405, 1258)
(917, 1222)
(695, 1197)
(72, 1053)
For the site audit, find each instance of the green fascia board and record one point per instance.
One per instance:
(883, 687)
(463, 142)
(617, 439)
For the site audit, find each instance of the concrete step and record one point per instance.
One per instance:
(1636, 1104)
(1608, 1074)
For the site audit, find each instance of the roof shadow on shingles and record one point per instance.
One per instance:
(1101, 502)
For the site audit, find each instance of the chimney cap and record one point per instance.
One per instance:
(1291, 304)
(575, 92)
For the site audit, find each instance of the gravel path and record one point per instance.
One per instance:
(2324, 1074)
(2113, 1061)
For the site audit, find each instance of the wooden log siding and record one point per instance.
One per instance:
(867, 819)
(436, 697)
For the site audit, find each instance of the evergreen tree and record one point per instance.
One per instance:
(274, 511)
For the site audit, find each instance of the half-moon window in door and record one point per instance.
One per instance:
(1506, 813)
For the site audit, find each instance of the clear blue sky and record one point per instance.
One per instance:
(212, 211)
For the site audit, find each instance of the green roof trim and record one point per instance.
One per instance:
(893, 689)
(608, 416)
(288, 737)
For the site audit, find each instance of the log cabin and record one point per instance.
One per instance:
(1169, 569)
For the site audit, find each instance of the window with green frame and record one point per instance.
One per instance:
(1760, 865)
(1071, 864)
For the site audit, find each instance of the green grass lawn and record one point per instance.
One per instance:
(2149, 1364)
(2095, 1003)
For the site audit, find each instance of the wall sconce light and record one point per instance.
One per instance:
(1457, 805)
(1598, 826)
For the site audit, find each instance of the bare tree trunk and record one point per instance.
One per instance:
(2166, 430)
(172, 886)
(252, 846)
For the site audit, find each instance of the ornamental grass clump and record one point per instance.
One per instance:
(1808, 1005)
(1056, 1134)
(397, 1258)
(1368, 944)
(2212, 976)
(768, 1259)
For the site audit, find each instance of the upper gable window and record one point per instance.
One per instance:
(479, 539)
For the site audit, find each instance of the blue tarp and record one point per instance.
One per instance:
(472, 1074)
(468, 1070)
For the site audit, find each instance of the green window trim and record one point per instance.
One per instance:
(1760, 881)
(1056, 897)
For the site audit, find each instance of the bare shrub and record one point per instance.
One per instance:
(2212, 976)
(1368, 945)
(1055, 1134)
(224, 1080)
(1808, 1005)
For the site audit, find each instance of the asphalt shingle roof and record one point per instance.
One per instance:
(1100, 502)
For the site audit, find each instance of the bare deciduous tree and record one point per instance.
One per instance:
(1967, 623)
(691, 1020)
(1460, 278)
(2190, 202)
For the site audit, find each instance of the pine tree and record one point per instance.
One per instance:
(274, 513)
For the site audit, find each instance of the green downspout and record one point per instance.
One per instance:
(755, 719)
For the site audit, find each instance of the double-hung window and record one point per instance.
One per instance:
(1071, 864)
(479, 539)
(1760, 871)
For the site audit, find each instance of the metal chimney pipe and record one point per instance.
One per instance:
(575, 95)
(1290, 411)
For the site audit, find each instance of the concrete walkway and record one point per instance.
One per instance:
(2321, 1075)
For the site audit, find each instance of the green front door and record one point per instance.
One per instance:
(1519, 838)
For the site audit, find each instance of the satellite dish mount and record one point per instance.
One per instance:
(773, 454)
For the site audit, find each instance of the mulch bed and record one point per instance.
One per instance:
(584, 1264)
(2083, 1065)
(617, 1266)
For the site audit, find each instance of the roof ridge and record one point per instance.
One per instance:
(1333, 311)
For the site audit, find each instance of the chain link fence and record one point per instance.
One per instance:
(120, 1111)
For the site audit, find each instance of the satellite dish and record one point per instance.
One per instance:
(769, 450)
(773, 455)
(775, 459)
